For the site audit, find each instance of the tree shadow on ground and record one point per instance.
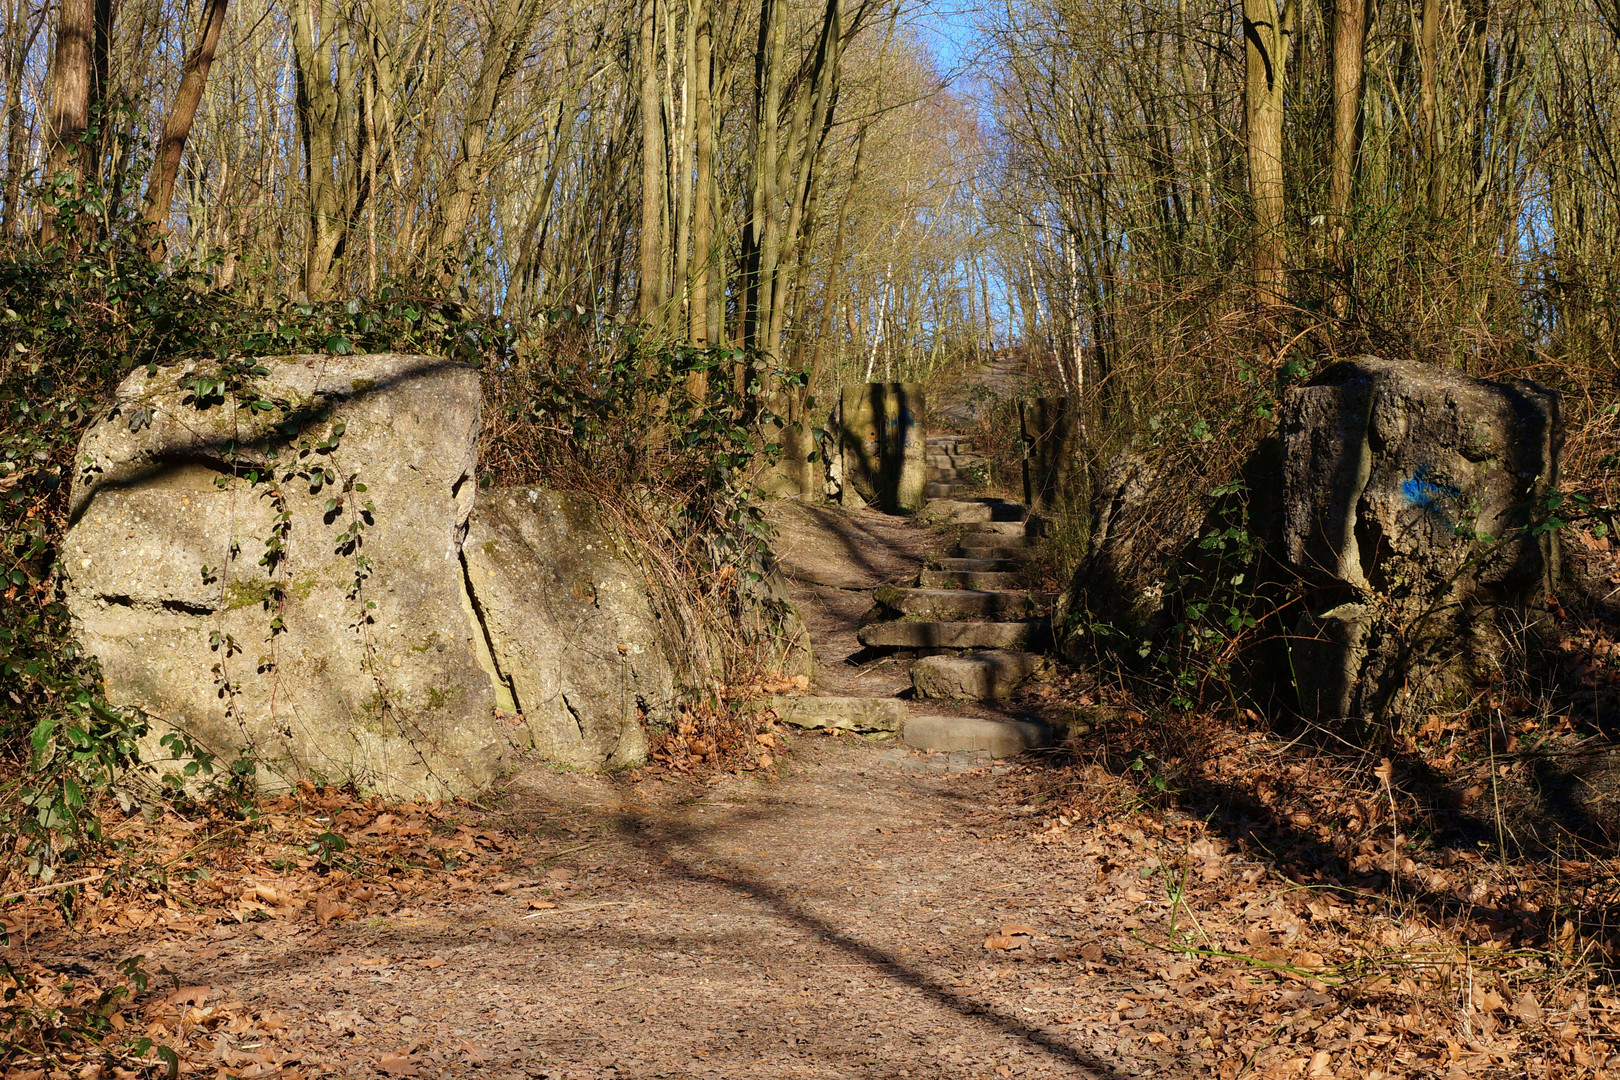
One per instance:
(1555, 814)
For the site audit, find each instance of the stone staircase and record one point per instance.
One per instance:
(950, 462)
(975, 633)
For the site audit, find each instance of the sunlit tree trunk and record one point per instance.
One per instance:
(653, 169)
(1350, 21)
(177, 125)
(72, 79)
(1266, 33)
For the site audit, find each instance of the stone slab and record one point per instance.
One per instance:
(946, 603)
(967, 579)
(999, 530)
(845, 713)
(335, 668)
(977, 565)
(1024, 634)
(982, 676)
(967, 511)
(1000, 738)
(991, 551)
(945, 489)
(881, 454)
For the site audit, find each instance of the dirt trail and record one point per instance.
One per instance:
(830, 923)
(858, 911)
(827, 919)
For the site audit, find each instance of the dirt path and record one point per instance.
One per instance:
(857, 911)
(827, 919)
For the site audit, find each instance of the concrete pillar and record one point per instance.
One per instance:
(882, 447)
(1051, 432)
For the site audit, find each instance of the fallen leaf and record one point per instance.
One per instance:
(190, 995)
(1017, 930)
(474, 1054)
(327, 909)
(433, 962)
(397, 1065)
(1002, 941)
(541, 905)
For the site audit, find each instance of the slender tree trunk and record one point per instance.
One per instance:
(22, 41)
(703, 246)
(1350, 21)
(681, 168)
(652, 170)
(1266, 33)
(507, 37)
(761, 233)
(177, 125)
(1428, 40)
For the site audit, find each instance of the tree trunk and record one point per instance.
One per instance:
(703, 247)
(72, 79)
(507, 38)
(1429, 101)
(177, 125)
(22, 41)
(1266, 33)
(1350, 21)
(652, 170)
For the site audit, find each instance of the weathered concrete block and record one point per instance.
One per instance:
(959, 603)
(1051, 434)
(982, 676)
(1140, 521)
(323, 629)
(967, 579)
(1000, 738)
(1027, 634)
(880, 446)
(1409, 495)
(846, 713)
(570, 625)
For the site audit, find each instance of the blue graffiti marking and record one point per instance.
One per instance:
(1426, 491)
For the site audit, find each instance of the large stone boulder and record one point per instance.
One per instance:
(236, 583)
(1409, 497)
(574, 634)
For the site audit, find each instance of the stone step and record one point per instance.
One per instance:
(977, 566)
(962, 603)
(945, 476)
(1000, 738)
(997, 529)
(982, 676)
(967, 511)
(847, 713)
(944, 489)
(952, 461)
(1026, 634)
(967, 579)
(993, 551)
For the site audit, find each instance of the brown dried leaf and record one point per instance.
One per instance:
(190, 995)
(327, 909)
(397, 1064)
